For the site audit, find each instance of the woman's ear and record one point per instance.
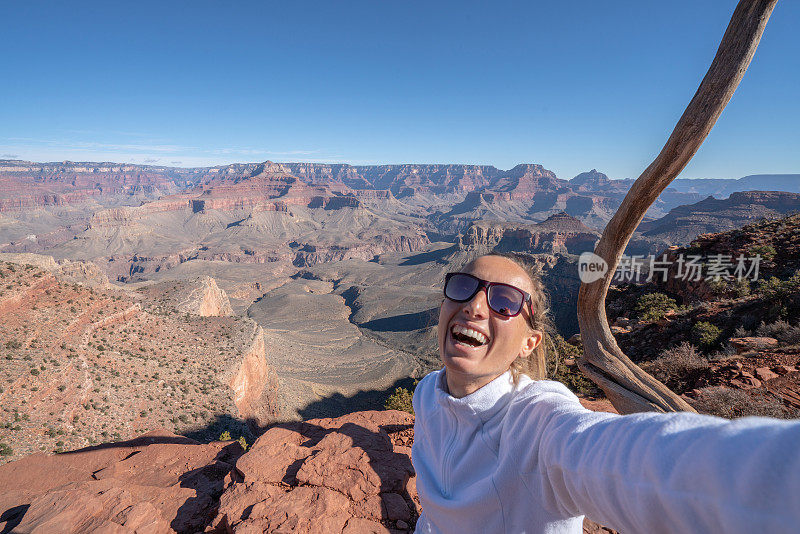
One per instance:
(531, 342)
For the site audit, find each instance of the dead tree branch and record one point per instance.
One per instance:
(628, 387)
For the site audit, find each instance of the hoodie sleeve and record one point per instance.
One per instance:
(657, 472)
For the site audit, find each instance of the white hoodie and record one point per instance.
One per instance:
(530, 459)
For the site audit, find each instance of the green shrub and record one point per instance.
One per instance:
(765, 251)
(569, 375)
(774, 288)
(730, 288)
(706, 334)
(5, 450)
(654, 306)
(242, 442)
(225, 436)
(400, 400)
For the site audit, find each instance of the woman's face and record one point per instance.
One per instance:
(506, 337)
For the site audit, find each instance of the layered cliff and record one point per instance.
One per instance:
(26, 185)
(559, 234)
(684, 223)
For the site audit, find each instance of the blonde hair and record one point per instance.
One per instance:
(535, 364)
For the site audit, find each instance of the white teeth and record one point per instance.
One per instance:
(469, 332)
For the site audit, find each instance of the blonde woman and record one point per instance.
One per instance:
(499, 449)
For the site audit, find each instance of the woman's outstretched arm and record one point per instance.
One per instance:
(657, 472)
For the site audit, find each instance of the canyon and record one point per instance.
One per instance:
(163, 309)
(329, 263)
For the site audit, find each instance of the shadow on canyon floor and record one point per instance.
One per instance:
(337, 404)
(334, 405)
(406, 322)
(248, 428)
(435, 255)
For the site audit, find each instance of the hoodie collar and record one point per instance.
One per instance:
(486, 402)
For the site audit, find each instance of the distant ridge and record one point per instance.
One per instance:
(723, 187)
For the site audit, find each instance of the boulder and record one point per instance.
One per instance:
(783, 369)
(345, 473)
(746, 381)
(158, 482)
(765, 373)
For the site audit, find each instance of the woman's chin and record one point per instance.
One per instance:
(463, 360)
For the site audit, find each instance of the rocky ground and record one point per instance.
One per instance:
(352, 474)
(732, 348)
(82, 365)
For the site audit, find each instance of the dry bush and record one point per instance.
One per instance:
(732, 403)
(678, 367)
(741, 331)
(782, 331)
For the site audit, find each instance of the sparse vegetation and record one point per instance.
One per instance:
(400, 399)
(558, 350)
(767, 251)
(706, 334)
(678, 367)
(654, 306)
(782, 331)
(733, 289)
(732, 403)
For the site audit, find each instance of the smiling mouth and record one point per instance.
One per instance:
(468, 336)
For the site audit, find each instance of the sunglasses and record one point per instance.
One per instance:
(503, 299)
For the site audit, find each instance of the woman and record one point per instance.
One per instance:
(496, 451)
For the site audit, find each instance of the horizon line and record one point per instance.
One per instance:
(153, 165)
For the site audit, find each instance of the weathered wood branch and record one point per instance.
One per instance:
(628, 387)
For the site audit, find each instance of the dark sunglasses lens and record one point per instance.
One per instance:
(505, 300)
(460, 287)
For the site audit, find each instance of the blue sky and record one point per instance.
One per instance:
(571, 85)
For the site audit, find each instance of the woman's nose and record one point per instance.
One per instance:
(477, 307)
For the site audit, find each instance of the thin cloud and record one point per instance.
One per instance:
(262, 152)
(97, 133)
(44, 150)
